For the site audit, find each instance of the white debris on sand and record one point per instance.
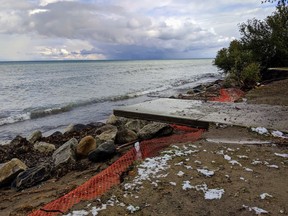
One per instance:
(186, 185)
(256, 162)
(133, 209)
(248, 169)
(279, 134)
(257, 210)
(211, 194)
(180, 173)
(273, 166)
(242, 156)
(264, 195)
(206, 172)
(234, 162)
(173, 183)
(281, 155)
(260, 130)
(227, 157)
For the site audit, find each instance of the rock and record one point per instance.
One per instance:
(9, 170)
(44, 147)
(35, 136)
(32, 176)
(155, 129)
(213, 88)
(103, 152)
(125, 135)
(74, 128)
(65, 153)
(104, 128)
(135, 125)
(20, 145)
(85, 146)
(117, 121)
(199, 88)
(107, 135)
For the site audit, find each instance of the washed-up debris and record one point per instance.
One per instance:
(281, 155)
(273, 166)
(257, 210)
(248, 169)
(279, 134)
(260, 130)
(209, 194)
(133, 209)
(206, 172)
(180, 173)
(264, 195)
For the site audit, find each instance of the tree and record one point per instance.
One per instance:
(263, 44)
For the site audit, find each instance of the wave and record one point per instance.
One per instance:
(34, 113)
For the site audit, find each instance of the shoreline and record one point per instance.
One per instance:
(84, 169)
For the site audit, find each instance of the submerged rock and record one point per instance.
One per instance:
(85, 146)
(9, 170)
(44, 147)
(35, 136)
(125, 135)
(155, 129)
(32, 176)
(65, 153)
(103, 152)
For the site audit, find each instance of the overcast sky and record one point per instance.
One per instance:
(121, 29)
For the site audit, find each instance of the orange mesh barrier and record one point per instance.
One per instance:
(229, 95)
(103, 181)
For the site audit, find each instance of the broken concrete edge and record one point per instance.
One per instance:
(162, 118)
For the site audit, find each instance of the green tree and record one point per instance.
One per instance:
(263, 44)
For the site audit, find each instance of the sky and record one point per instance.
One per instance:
(121, 29)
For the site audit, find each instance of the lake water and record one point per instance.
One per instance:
(48, 96)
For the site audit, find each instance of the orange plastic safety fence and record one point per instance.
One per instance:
(229, 95)
(102, 182)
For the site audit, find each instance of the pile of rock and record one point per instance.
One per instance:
(26, 162)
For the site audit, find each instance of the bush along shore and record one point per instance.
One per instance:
(26, 162)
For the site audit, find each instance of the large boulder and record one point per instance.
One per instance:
(154, 129)
(103, 152)
(9, 170)
(44, 147)
(65, 153)
(85, 146)
(32, 176)
(35, 136)
(135, 125)
(20, 146)
(125, 136)
(108, 132)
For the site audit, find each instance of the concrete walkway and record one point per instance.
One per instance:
(199, 114)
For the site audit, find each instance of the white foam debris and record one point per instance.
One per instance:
(281, 155)
(242, 178)
(197, 162)
(264, 195)
(221, 152)
(78, 213)
(214, 194)
(230, 149)
(206, 172)
(227, 176)
(204, 150)
(257, 210)
(227, 157)
(179, 164)
(188, 167)
(95, 210)
(193, 146)
(186, 185)
(187, 159)
(273, 166)
(260, 130)
(213, 161)
(234, 162)
(255, 162)
(279, 134)
(133, 209)
(242, 156)
(172, 183)
(180, 173)
(176, 147)
(248, 169)
(154, 184)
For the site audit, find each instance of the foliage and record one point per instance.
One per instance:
(263, 44)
